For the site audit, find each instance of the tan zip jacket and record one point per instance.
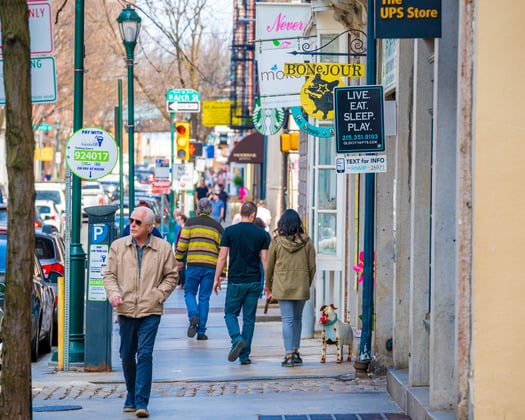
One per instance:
(290, 268)
(145, 295)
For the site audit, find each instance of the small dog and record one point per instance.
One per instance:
(335, 332)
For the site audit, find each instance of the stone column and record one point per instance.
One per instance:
(402, 178)
(443, 386)
(420, 213)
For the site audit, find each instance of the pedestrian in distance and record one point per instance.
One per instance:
(217, 207)
(264, 214)
(199, 243)
(201, 191)
(247, 246)
(181, 221)
(290, 270)
(224, 197)
(140, 274)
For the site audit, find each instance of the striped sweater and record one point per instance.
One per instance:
(199, 240)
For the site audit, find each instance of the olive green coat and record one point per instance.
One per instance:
(290, 268)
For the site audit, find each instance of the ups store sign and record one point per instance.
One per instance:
(408, 18)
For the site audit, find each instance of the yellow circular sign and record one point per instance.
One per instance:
(317, 96)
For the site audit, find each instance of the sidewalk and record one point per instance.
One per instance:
(193, 379)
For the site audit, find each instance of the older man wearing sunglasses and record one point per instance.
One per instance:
(140, 275)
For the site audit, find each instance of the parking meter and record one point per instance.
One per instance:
(99, 313)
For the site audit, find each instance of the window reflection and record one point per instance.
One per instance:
(327, 238)
(326, 151)
(327, 189)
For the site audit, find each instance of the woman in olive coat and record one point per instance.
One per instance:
(290, 269)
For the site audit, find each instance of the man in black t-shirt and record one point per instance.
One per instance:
(200, 192)
(247, 246)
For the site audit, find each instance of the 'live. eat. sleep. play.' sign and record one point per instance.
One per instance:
(359, 119)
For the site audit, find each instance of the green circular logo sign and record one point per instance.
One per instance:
(267, 121)
(91, 153)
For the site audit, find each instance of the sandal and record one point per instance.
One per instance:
(296, 357)
(288, 362)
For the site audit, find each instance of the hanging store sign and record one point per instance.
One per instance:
(312, 130)
(326, 70)
(317, 91)
(267, 121)
(359, 119)
(408, 18)
(279, 31)
(280, 23)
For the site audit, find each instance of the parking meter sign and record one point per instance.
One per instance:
(91, 153)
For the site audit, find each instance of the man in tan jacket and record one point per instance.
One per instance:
(139, 276)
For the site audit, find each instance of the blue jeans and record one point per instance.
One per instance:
(292, 318)
(245, 296)
(198, 280)
(137, 337)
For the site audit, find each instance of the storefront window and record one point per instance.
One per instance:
(327, 189)
(326, 151)
(327, 233)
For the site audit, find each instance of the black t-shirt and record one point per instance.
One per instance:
(245, 241)
(202, 192)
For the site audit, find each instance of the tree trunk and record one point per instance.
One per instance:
(15, 394)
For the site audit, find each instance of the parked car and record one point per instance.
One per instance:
(144, 174)
(38, 221)
(42, 303)
(54, 191)
(111, 185)
(51, 250)
(3, 193)
(92, 195)
(3, 215)
(50, 214)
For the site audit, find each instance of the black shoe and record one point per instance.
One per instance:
(246, 362)
(288, 362)
(192, 329)
(236, 350)
(297, 358)
(202, 337)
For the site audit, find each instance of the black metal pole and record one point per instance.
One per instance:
(368, 260)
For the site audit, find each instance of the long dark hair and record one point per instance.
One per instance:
(290, 225)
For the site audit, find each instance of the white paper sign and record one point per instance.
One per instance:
(353, 164)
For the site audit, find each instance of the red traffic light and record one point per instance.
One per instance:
(181, 129)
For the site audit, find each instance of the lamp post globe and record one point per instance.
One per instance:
(129, 26)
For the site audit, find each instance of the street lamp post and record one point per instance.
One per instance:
(129, 26)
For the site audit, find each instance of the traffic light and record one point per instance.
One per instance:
(289, 141)
(183, 140)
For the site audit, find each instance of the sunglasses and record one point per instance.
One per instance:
(136, 221)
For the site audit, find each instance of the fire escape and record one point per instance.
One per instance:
(242, 67)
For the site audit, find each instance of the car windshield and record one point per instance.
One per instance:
(48, 195)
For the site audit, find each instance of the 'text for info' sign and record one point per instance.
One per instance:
(360, 164)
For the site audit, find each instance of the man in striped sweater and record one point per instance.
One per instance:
(199, 241)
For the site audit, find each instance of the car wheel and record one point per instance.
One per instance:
(47, 342)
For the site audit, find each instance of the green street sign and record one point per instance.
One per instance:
(183, 95)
